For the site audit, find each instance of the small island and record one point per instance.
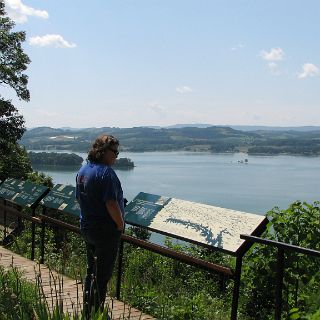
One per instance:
(55, 159)
(123, 163)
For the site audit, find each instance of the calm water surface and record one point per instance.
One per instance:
(218, 179)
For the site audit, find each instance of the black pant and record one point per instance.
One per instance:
(102, 242)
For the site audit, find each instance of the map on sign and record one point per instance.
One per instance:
(62, 198)
(196, 222)
(23, 193)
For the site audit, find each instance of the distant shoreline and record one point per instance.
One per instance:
(186, 151)
(214, 139)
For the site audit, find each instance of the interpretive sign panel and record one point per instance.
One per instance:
(199, 223)
(23, 193)
(63, 198)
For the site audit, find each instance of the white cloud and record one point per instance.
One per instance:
(184, 89)
(51, 40)
(273, 67)
(275, 54)
(156, 106)
(239, 46)
(19, 12)
(309, 70)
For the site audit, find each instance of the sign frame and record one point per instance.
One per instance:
(259, 228)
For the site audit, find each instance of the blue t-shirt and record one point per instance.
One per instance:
(95, 184)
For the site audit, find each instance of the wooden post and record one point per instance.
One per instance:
(236, 288)
(280, 267)
(33, 232)
(43, 235)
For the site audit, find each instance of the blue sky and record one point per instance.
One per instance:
(161, 62)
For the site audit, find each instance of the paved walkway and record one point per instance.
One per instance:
(56, 287)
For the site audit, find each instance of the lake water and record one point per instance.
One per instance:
(218, 179)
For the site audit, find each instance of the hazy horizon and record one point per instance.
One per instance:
(178, 125)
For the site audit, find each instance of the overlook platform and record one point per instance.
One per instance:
(67, 291)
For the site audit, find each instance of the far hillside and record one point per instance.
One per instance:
(212, 139)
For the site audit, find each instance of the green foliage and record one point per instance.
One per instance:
(17, 297)
(13, 62)
(298, 225)
(11, 124)
(40, 178)
(169, 289)
(315, 316)
(14, 163)
(140, 233)
(309, 149)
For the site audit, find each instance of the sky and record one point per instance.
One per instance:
(126, 63)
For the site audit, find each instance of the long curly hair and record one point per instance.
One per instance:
(100, 146)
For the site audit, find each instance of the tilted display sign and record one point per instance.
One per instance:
(194, 222)
(23, 193)
(62, 198)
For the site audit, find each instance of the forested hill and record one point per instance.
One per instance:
(215, 139)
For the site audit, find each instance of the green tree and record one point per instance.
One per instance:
(298, 225)
(15, 162)
(13, 63)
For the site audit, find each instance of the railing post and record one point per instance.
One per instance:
(222, 282)
(4, 220)
(280, 267)
(33, 231)
(236, 288)
(120, 260)
(43, 234)
(20, 225)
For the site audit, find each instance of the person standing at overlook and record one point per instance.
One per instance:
(100, 195)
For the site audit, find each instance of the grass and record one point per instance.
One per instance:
(24, 300)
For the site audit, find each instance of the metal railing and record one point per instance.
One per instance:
(282, 248)
(43, 220)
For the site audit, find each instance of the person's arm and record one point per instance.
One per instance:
(115, 213)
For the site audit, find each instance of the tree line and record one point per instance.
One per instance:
(55, 159)
(69, 159)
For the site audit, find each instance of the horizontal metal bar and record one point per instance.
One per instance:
(285, 246)
(20, 214)
(59, 223)
(204, 245)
